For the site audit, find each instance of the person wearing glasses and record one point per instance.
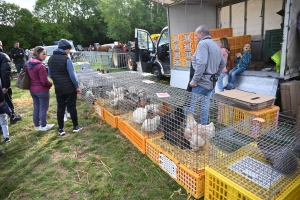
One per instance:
(39, 88)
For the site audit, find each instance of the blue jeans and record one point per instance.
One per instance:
(40, 107)
(203, 101)
(220, 81)
(232, 75)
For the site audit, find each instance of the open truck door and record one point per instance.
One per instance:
(144, 49)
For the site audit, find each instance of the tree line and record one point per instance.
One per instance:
(83, 21)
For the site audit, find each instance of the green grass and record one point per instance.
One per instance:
(96, 163)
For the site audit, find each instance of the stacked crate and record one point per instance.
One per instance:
(183, 48)
(263, 168)
(236, 44)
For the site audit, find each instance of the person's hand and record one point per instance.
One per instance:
(238, 55)
(1, 103)
(14, 54)
(78, 90)
(192, 84)
(4, 90)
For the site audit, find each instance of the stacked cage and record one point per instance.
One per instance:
(264, 167)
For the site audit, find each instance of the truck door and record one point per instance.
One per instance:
(144, 47)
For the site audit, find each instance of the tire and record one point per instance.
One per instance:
(131, 64)
(118, 57)
(156, 73)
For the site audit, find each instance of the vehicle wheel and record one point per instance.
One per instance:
(156, 73)
(131, 64)
(118, 57)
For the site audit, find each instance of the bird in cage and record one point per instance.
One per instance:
(197, 134)
(280, 158)
(171, 126)
(90, 96)
(151, 125)
(139, 115)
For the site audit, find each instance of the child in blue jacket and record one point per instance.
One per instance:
(242, 61)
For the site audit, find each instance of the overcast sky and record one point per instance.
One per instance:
(23, 3)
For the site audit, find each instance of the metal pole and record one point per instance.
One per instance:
(285, 38)
(245, 18)
(230, 16)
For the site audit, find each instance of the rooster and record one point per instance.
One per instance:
(198, 134)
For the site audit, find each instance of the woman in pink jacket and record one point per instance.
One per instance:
(39, 88)
(225, 48)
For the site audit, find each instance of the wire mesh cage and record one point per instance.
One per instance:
(265, 165)
(177, 121)
(112, 89)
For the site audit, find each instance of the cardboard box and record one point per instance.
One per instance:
(290, 97)
(246, 100)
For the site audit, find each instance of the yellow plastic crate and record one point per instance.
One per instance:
(219, 32)
(110, 118)
(218, 186)
(193, 182)
(222, 182)
(229, 115)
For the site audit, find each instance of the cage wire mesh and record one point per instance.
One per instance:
(257, 121)
(263, 165)
(177, 121)
(115, 86)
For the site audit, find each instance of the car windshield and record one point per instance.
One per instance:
(50, 49)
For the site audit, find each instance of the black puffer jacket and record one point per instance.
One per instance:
(58, 68)
(5, 70)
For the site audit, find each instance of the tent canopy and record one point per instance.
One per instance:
(218, 3)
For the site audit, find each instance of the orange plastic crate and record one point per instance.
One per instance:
(176, 46)
(176, 54)
(187, 54)
(185, 62)
(189, 46)
(98, 110)
(176, 62)
(137, 139)
(175, 38)
(219, 32)
(237, 40)
(193, 182)
(188, 37)
(110, 118)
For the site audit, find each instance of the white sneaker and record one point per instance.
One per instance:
(38, 128)
(65, 117)
(68, 115)
(47, 127)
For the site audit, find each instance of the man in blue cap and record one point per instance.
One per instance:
(62, 72)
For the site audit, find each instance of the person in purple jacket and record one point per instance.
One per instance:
(39, 88)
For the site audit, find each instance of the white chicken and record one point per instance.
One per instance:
(198, 134)
(139, 115)
(150, 125)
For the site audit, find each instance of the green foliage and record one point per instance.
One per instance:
(122, 17)
(83, 21)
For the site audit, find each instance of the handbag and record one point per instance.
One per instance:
(23, 81)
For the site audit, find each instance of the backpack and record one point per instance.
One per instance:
(228, 63)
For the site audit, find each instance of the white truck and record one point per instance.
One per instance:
(246, 17)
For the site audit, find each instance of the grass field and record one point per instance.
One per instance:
(96, 163)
